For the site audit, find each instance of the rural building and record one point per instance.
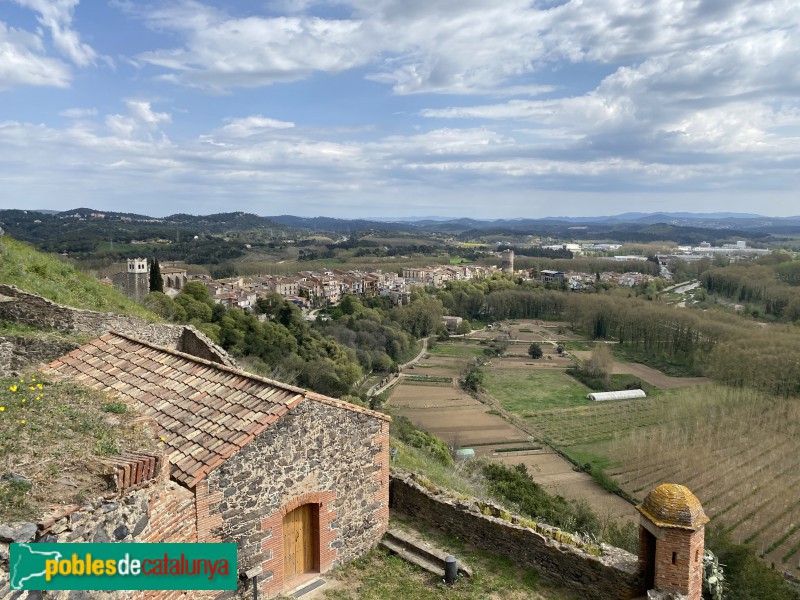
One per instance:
(549, 275)
(671, 540)
(299, 481)
(452, 323)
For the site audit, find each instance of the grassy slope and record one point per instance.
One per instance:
(50, 434)
(43, 274)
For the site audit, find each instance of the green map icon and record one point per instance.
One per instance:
(28, 564)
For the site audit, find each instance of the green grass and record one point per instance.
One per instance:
(577, 345)
(411, 353)
(43, 274)
(453, 477)
(456, 351)
(428, 379)
(50, 434)
(379, 575)
(626, 353)
(525, 390)
(599, 422)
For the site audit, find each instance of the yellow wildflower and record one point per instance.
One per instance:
(31, 388)
(13, 388)
(22, 421)
(2, 408)
(39, 385)
(23, 400)
(33, 378)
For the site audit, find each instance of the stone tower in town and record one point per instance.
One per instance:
(507, 261)
(135, 282)
(671, 537)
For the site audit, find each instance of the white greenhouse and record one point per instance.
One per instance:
(620, 395)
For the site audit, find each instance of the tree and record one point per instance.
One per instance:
(156, 283)
(601, 363)
(464, 328)
(535, 351)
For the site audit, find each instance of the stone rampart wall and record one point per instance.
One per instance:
(558, 556)
(18, 352)
(17, 306)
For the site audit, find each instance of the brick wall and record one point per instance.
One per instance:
(334, 458)
(679, 562)
(557, 555)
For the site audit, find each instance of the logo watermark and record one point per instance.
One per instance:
(123, 566)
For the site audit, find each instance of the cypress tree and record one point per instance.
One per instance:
(156, 283)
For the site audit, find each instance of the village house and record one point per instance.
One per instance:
(299, 481)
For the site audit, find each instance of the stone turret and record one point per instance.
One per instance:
(671, 538)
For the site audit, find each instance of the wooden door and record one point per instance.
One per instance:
(299, 541)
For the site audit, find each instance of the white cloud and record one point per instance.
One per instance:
(23, 61)
(78, 113)
(253, 125)
(223, 52)
(57, 16)
(141, 121)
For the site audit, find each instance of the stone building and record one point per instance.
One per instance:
(173, 278)
(135, 281)
(671, 538)
(299, 481)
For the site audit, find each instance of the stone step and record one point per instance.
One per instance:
(413, 558)
(428, 556)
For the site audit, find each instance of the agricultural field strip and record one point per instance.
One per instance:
(679, 466)
(737, 462)
(632, 471)
(454, 404)
(735, 518)
(712, 498)
(779, 523)
(566, 429)
(628, 467)
(776, 527)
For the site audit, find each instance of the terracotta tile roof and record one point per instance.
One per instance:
(205, 411)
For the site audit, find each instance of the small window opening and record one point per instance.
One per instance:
(697, 555)
(674, 558)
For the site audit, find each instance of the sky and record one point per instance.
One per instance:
(397, 108)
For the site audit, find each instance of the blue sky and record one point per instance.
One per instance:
(480, 108)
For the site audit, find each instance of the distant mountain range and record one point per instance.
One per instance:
(68, 230)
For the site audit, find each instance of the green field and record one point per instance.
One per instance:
(524, 391)
(456, 351)
(601, 421)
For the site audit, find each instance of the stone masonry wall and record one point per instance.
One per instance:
(17, 306)
(320, 454)
(555, 554)
(162, 512)
(18, 352)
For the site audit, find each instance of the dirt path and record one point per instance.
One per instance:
(652, 376)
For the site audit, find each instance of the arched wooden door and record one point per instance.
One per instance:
(300, 541)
